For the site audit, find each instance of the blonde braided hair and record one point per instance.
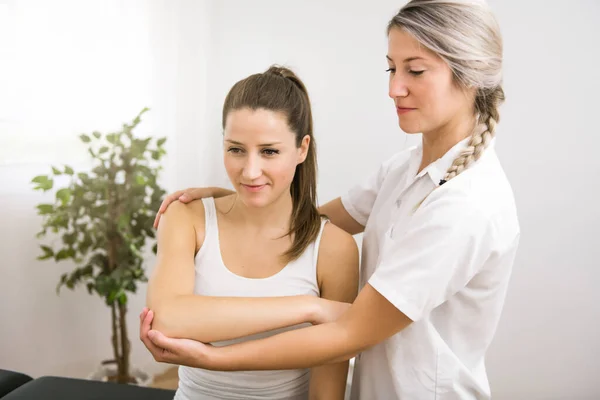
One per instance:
(484, 132)
(466, 35)
(488, 117)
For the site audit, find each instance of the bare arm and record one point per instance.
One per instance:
(338, 272)
(335, 211)
(370, 320)
(182, 314)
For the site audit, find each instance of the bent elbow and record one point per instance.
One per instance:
(172, 318)
(165, 318)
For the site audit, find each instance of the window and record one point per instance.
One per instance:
(69, 67)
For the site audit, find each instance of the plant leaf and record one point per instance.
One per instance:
(112, 138)
(63, 280)
(64, 195)
(44, 182)
(48, 253)
(40, 179)
(90, 287)
(44, 209)
(62, 255)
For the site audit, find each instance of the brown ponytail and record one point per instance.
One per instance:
(279, 89)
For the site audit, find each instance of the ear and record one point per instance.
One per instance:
(303, 149)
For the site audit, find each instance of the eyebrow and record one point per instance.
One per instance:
(261, 145)
(406, 60)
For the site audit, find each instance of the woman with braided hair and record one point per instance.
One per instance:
(440, 228)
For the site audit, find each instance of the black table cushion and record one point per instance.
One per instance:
(10, 380)
(57, 388)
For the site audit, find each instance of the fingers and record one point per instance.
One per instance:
(143, 314)
(160, 340)
(156, 220)
(161, 347)
(182, 195)
(188, 195)
(145, 327)
(169, 199)
(163, 206)
(192, 194)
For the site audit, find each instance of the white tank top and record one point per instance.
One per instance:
(212, 278)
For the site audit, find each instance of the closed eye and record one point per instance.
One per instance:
(235, 150)
(270, 152)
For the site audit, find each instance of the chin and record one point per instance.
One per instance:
(262, 198)
(256, 200)
(409, 128)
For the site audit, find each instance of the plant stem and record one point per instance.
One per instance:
(115, 338)
(125, 346)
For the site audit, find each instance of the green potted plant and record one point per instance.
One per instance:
(101, 220)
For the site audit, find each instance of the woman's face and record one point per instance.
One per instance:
(422, 86)
(261, 155)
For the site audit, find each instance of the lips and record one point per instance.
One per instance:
(401, 110)
(253, 188)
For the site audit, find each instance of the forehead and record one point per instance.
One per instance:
(256, 124)
(402, 45)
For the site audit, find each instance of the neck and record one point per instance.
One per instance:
(436, 143)
(275, 215)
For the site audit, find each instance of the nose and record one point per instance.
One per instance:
(398, 87)
(252, 168)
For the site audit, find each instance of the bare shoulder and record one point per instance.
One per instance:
(337, 264)
(181, 217)
(337, 242)
(182, 213)
(195, 209)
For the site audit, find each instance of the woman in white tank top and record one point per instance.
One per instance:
(262, 260)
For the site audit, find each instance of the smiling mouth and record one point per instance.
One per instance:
(253, 188)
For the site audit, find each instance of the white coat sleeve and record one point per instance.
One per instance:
(359, 200)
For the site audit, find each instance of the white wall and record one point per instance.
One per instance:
(545, 347)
